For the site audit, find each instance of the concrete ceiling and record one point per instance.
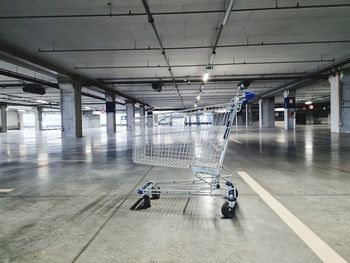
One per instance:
(90, 27)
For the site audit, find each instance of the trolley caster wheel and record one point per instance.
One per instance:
(236, 193)
(217, 186)
(227, 211)
(155, 194)
(146, 202)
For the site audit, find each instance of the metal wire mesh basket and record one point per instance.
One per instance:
(195, 138)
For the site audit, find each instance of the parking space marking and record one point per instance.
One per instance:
(6, 190)
(316, 244)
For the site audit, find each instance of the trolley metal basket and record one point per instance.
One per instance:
(194, 139)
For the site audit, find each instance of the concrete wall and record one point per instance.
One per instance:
(12, 120)
(90, 120)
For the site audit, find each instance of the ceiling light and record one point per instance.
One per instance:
(308, 102)
(42, 101)
(87, 108)
(205, 77)
(227, 12)
(195, 105)
(21, 110)
(199, 97)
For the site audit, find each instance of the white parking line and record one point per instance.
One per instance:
(317, 245)
(6, 190)
(236, 141)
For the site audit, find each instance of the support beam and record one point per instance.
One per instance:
(70, 104)
(130, 115)
(289, 113)
(340, 102)
(110, 114)
(38, 113)
(3, 118)
(267, 112)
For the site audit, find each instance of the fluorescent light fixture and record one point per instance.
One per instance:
(279, 109)
(205, 77)
(199, 97)
(87, 108)
(308, 102)
(42, 101)
(195, 105)
(227, 12)
(21, 110)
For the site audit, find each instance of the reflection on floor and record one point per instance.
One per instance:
(72, 200)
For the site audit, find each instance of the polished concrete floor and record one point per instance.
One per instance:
(71, 200)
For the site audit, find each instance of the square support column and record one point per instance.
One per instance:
(110, 113)
(38, 113)
(142, 116)
(267, 112)
(70, 105)
(149, 118)
(340, 103)
(20, 120)
(289, 114)
(130, 115)
(3, 116)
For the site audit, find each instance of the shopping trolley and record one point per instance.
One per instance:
(195, 139)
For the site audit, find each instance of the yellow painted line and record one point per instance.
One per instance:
(6, 190)
(316, 244)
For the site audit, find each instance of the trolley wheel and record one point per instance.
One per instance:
(236, 193)
(156, 194)
(227, 211)
(146, 202)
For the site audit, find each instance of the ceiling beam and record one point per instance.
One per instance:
(53, 69)
(306, 80)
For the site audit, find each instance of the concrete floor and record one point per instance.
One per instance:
(72, 198)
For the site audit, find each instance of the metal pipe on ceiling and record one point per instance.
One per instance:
(151, 21)
(257, 44)
(193, 12)
(201, 65)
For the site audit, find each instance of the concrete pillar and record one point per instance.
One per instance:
(309, 117)
(149, 118)
(340, 102)
(130, 115)
(110, 113)
(70, 105)
(248, 114)
(3, 116)
(289, 114)
(142, 116)
(38, 113)
(198, 119)
(267, 112)
(20, 120)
